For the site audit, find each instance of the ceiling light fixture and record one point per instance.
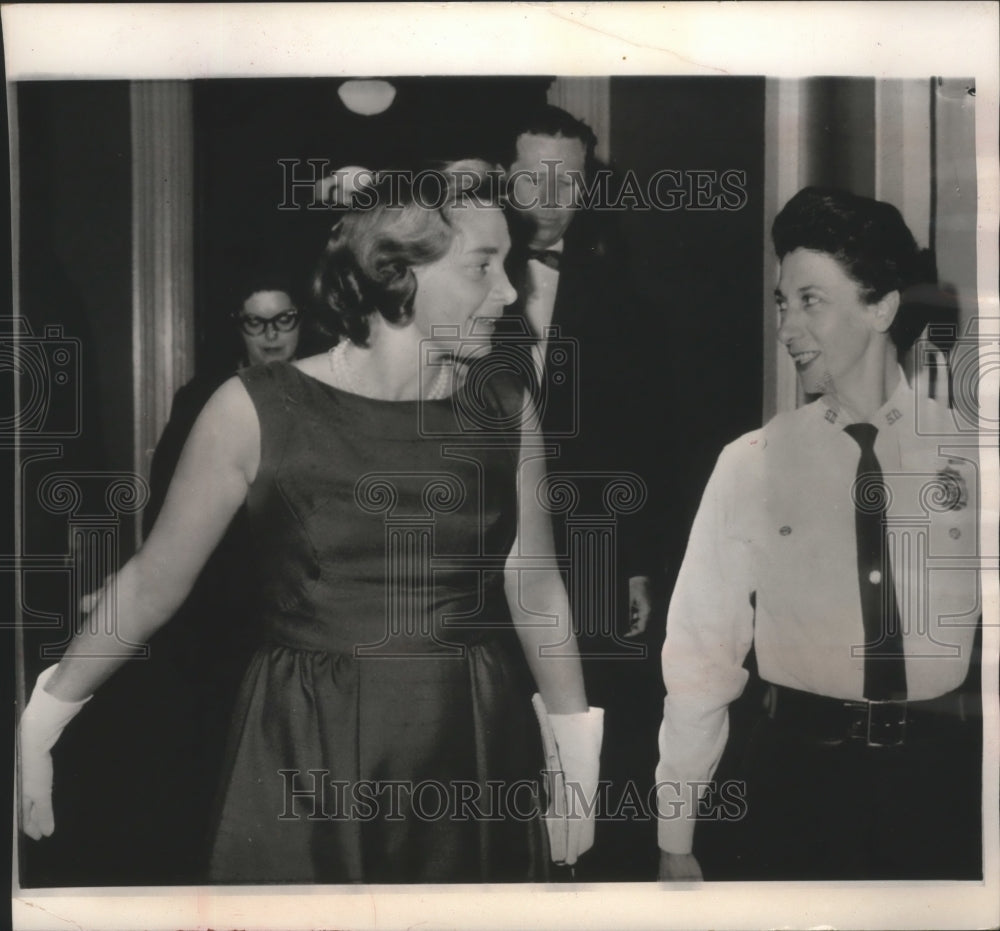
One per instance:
(367, 98)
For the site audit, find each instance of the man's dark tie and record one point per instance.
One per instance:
(548, 257)
(885, 667)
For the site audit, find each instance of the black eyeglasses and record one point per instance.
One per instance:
(252, 325)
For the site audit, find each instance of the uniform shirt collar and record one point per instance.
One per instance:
(897, 408)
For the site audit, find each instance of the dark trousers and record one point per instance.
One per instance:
(819, 810)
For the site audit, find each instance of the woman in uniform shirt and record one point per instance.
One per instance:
(840, 542)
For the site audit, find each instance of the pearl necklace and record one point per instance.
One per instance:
(347, 378)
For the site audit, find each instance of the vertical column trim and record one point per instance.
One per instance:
(903, 151)
(162, 133)
(783, 172)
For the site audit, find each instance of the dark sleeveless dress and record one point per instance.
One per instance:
(383, 732)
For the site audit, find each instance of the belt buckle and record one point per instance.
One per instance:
(886, 724)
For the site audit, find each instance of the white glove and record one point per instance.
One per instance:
(43, 721)
(572, 744)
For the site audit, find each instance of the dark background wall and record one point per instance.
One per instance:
(699, 272)
(75, 296)
(75, 279)
(76, 248)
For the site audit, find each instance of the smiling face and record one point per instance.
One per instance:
(834, 337)
(468, 283)
(543, 191)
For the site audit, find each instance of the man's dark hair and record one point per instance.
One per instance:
(548, 120)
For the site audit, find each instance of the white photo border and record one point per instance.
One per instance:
(775, 39)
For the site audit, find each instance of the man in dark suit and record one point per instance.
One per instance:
(585, 329)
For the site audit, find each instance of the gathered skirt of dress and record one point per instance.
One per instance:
(346, 770)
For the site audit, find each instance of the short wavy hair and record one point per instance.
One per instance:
(870, 241)
(395, 224)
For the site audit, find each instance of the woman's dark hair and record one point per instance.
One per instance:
(263, 280)
(870, 241)
(261, 268)
(401, 221)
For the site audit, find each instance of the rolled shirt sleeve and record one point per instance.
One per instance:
(709, 633)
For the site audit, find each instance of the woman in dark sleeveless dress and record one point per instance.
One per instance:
(384, 729)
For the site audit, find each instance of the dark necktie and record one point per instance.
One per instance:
(548, 257)
(885, 667)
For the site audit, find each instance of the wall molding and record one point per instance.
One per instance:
(784, 148)
(162, 256)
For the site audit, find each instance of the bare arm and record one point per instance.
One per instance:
(215, 470)
(536, 594)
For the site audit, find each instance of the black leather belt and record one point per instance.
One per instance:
(872, 723)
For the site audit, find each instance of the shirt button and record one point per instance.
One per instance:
(874, 576)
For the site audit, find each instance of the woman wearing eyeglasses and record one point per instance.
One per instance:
(407, 585)
(269, 325)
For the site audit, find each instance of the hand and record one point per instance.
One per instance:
(679, 867)
(37, 820)
(42, 722)
(640, 604)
